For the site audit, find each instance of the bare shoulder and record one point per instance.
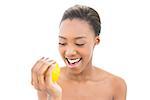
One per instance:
(116, 81)
(118, 85)
(119, 88)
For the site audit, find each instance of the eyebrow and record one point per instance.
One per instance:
(62, 37)
(76, 38)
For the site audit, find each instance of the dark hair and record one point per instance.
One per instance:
(84, 13)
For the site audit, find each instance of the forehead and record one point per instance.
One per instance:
(75, 28)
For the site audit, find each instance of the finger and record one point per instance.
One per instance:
(34, 66)
(48, 78)
(41, 73)
(35, 70)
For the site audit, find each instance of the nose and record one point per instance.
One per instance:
(70, 52)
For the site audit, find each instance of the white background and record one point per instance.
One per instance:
(28, 31)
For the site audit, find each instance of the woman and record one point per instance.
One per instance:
(79, 79)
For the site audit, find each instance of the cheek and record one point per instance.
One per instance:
(87, 52)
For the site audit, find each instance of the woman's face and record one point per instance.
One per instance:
(76, 43)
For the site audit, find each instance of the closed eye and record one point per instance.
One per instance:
(62, 44)
(79, 44)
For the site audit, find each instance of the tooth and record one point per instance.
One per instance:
(73, 61)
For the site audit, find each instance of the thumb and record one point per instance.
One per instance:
(52, 87)
(48, 77)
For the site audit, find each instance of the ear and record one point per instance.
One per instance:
(97, 40)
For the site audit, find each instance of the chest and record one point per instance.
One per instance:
(88, 91)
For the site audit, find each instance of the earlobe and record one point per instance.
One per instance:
(97, 40)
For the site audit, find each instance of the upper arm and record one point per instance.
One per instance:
(42, 95)
(120, 89)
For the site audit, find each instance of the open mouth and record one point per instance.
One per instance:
(73, 62)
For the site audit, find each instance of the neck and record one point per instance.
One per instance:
(84, 75)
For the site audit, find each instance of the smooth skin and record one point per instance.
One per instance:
(84, 82)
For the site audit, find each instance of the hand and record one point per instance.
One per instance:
(42, 78)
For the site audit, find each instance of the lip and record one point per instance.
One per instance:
(73, 65)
